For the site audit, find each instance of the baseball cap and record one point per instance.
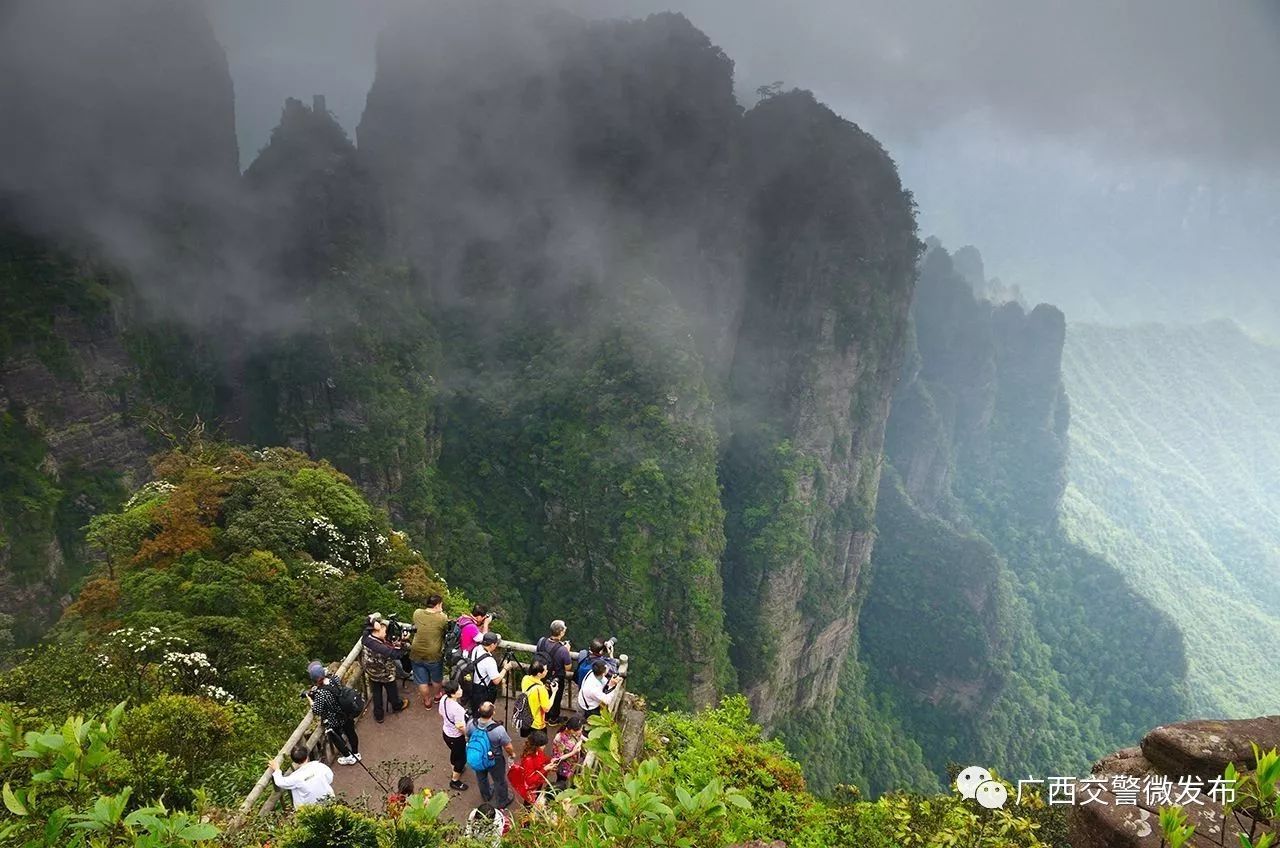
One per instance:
(490, 639)
(315, 670)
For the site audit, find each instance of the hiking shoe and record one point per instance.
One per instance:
(458, 785)
(404, 705)
(346, 761)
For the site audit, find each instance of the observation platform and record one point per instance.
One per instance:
(406, 743)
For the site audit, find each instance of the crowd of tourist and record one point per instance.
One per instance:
(458, 671)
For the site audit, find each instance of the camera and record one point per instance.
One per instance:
(399, 631)
(610, 644)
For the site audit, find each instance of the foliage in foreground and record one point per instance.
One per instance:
(61, 788)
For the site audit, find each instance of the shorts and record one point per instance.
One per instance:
(428, 672)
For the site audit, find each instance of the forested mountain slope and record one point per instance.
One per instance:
(994, 636)
(1175, 474)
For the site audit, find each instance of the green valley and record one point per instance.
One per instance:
(1174, 447)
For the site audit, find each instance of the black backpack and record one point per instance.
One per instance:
(351, 701)
(543, 653)
(522, 715)
(452, 641)
(465, 665)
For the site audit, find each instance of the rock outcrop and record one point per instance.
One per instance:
(1195, 752)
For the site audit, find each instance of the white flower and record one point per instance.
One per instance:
(155, 487)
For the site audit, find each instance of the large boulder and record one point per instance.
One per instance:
(1204, 748)
(1194, 752)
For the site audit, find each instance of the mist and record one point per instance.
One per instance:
(1120, 161)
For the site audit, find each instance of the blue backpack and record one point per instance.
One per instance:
(479, 749)
(585, 661)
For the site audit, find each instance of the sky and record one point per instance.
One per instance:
(1118, 159)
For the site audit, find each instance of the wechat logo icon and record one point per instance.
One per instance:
(975, 783)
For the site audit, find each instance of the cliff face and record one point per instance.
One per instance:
(979, 606)
(829, 283)
(539, 167)
(566, 191)
(119, 129)
(66, 387)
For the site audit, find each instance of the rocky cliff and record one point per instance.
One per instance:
(119, 122)
(979, 607)
(831, 272)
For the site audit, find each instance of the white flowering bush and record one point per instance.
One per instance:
(155, 490)
(158, 663)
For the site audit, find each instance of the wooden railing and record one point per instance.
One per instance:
(351, 672)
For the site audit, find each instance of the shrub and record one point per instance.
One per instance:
(331, 826)
(193, 735)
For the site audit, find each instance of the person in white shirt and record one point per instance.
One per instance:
(595, 692)
(309, 782)
(487, 675)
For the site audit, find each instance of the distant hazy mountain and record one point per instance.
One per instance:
(1175, 476)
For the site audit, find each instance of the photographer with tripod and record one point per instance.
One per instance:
(381, 660)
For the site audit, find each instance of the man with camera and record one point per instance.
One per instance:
(486, 676)
(559, 660)
(598, 689)
(381, 659)
(601, 649)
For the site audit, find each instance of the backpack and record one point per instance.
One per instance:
(586, 660)
(543, 653)
(452, 641)
(522, 715)
(479, 749)
(351, 701)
